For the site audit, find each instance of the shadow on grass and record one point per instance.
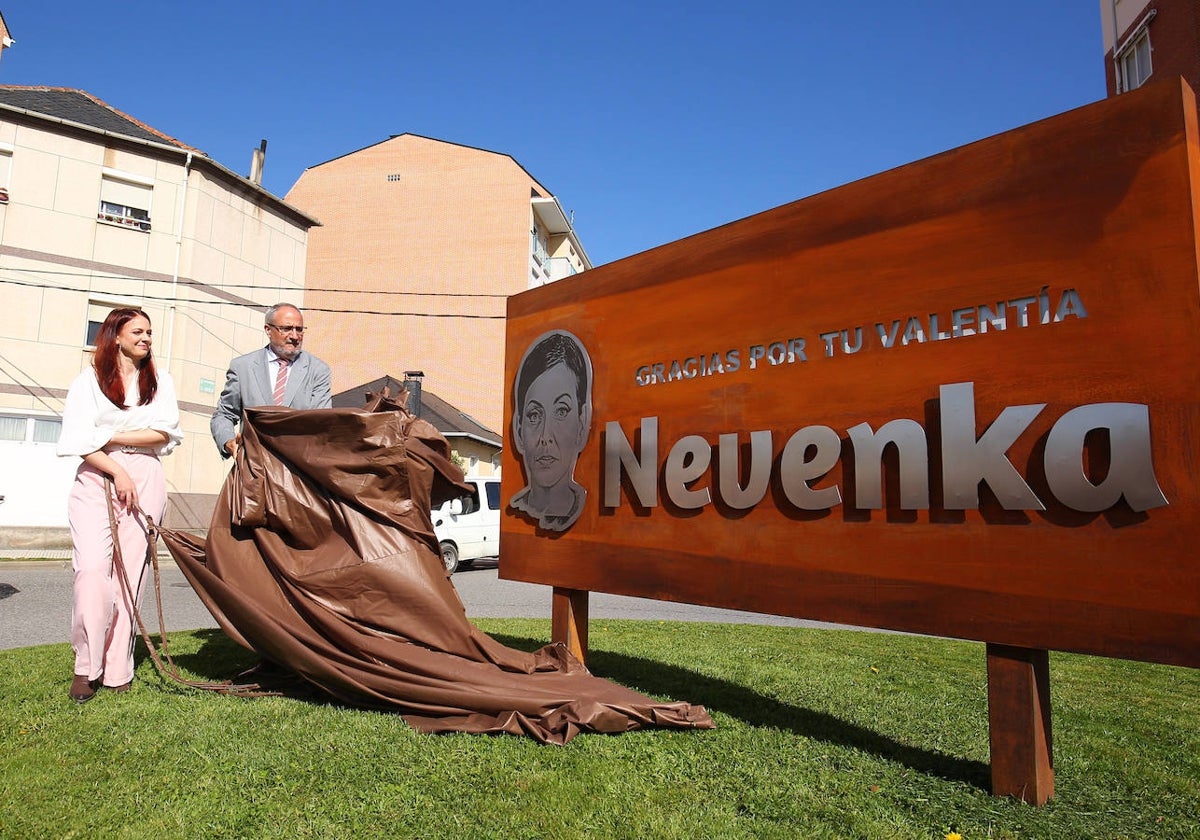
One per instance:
(219, 658)
(756, 709)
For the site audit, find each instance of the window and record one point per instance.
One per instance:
(12, 428)
(125, 201)
(1135, 62)
(96, 314)
(46, 431)
(23, 429)
(493, 494)
(470, 503)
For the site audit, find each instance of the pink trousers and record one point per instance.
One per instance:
(102, 625)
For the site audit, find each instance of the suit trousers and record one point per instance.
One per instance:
(102, 624)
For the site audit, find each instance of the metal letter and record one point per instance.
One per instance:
(967, 461)
(642, 470)
(960, 318)
(1131, 467)
(796, 350)
(846, 348)
(936, 333)
(910, 441)
(994, 318)
(829, 338)
(913, 332)
(1021, 305)
(760, 470)
(679, 471)
(1070, 304)
(795, 472)
(886, 336)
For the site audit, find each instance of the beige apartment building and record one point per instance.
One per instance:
(99, 210)
(420, 243)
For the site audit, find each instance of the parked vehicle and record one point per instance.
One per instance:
(469, 527)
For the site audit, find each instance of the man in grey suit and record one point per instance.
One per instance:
(278, 374)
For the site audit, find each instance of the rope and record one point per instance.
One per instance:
(162, 661)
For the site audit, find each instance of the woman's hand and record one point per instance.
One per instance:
(124, 487)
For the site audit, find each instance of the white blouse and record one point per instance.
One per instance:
(90, 419)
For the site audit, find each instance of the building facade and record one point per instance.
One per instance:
(1145, 39)
(420, 243)
(98, 210)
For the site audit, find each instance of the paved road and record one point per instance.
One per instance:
(35, 603)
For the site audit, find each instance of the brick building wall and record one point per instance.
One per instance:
(416, 225)
(1174, 38)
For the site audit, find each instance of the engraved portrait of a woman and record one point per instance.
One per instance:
(552, 416)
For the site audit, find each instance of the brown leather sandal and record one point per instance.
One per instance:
(82, 689)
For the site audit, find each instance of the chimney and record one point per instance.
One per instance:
(257, 159)
(6, 40)
(412, 381)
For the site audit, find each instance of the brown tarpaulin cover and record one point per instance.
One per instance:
(321, 557)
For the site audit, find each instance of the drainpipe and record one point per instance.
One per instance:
(187, 170)
(1116, 37)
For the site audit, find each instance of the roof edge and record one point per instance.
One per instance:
(167, 144)
(392, 137)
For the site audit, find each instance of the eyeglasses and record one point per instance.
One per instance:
(286, 330)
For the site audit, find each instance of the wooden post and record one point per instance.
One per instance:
(1019, 723)
(569, 620)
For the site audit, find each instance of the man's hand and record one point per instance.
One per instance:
(231, 445)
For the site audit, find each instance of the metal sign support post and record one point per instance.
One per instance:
(1019, 723)
(569, 620)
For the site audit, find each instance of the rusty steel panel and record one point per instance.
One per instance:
(957, 398)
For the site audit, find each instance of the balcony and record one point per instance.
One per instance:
(558, 268)
(119, 214)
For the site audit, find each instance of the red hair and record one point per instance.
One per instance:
(108, 372)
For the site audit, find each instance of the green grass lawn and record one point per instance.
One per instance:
(820, 734)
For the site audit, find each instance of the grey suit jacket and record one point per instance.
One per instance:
(248, 383)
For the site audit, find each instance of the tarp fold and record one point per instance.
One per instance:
(322, 558)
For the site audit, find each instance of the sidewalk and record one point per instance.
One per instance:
(13, 554)
(35, 554)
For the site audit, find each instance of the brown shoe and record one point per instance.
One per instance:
(82, 689)
(119, 688)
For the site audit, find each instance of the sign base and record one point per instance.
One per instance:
(1019, 723)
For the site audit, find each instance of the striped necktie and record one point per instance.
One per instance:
(281, 381)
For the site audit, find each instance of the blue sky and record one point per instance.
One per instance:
(650, 121)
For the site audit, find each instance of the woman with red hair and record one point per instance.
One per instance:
(120, 416)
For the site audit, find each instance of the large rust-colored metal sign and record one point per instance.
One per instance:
(959, 398)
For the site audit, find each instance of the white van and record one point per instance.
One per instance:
(469, 527)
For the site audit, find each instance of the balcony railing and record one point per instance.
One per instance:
(119, 214)
(559, 267)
